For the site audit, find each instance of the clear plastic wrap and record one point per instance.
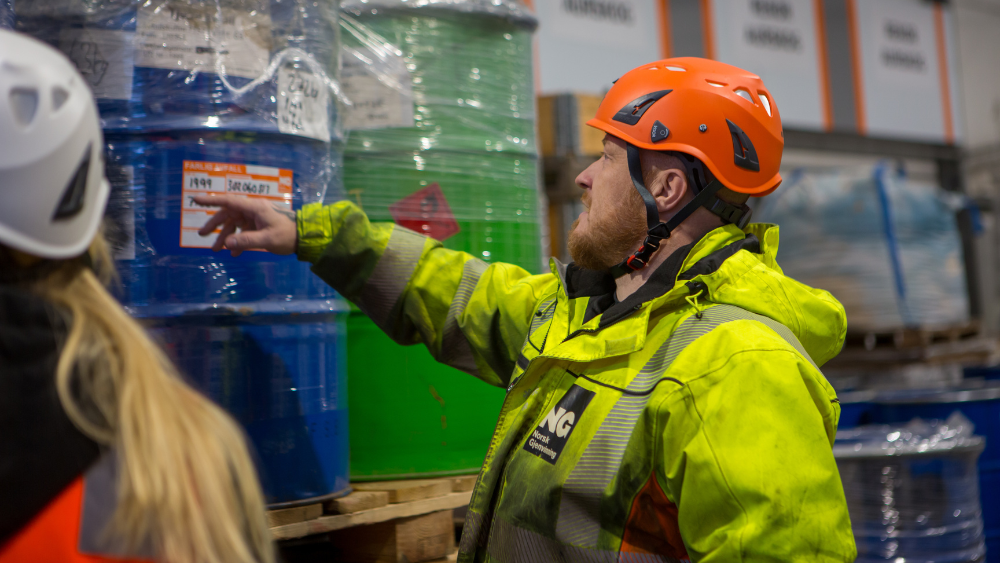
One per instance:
(491, 197)
(444, 112)
(234, 97)
(887, 247)
(913, 490)
(441, 140)
(470, 75)
(514, 10)
(6, 14)
(251, 65)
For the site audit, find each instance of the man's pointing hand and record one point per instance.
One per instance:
(262, 225)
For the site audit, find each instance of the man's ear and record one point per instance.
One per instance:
(670, 189)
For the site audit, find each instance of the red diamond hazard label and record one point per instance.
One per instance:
(427, 212)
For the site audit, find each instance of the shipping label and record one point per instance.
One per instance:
(200, 178)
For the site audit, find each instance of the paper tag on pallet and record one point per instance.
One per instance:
(381, 92)
(267, 183)
(303, 99)
(104, 58)
(179, 36)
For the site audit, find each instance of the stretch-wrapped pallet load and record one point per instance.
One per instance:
(6, 14)
(886, 246)
(913, 491)
(202, 97)
(442, 141)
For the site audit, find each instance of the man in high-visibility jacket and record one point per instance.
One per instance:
(663, 404)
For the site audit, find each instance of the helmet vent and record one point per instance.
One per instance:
(72, 199)
(676, 68)
(59, 97)
(744, 154)
(24, 105)
(744, 94)
(716, 84)
(632, 112)
(766, 103)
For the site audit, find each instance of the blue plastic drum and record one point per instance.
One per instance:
(6, 14)
(856, 408)
(152, 64)
(915, 504)
(982, 407)
(259, 333)
(282, 375)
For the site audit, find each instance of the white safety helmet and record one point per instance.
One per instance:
(52, 185)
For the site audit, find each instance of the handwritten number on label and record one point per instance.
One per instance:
(249, 187)
(201, 183)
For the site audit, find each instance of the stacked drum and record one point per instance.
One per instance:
(446, 146)
(913, 491)
(223, 97)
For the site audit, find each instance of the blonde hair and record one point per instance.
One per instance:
(186, 484)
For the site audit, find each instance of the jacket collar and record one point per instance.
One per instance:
(702, 257)
(620, 328)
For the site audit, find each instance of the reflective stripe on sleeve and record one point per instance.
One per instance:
(100, 500)
(455, 349)
(392, 273)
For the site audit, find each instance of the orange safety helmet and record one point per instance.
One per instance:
(721, 115)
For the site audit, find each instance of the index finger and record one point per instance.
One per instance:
(214, 221)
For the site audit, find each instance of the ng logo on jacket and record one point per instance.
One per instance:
(549, 438)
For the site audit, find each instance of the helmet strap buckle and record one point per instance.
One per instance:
(738, 215)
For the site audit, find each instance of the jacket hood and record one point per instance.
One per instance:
(738, 272)
(41, 451)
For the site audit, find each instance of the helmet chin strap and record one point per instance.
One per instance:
(657, 230)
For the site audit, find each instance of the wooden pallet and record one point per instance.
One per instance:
(962, 344)
(911, 337)
(383, 522)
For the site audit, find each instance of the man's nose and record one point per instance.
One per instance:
(585, 180)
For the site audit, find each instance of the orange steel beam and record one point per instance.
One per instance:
(666, 41)
(824, 66)
(859, 89)
(942, 53)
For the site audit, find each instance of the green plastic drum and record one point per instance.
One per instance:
(474, 139)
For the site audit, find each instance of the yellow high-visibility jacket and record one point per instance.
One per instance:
(688, 422)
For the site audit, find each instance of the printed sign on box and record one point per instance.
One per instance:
(775, 39)
(246, 180)
(611, 36)
(427, 212)
(901, 76)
